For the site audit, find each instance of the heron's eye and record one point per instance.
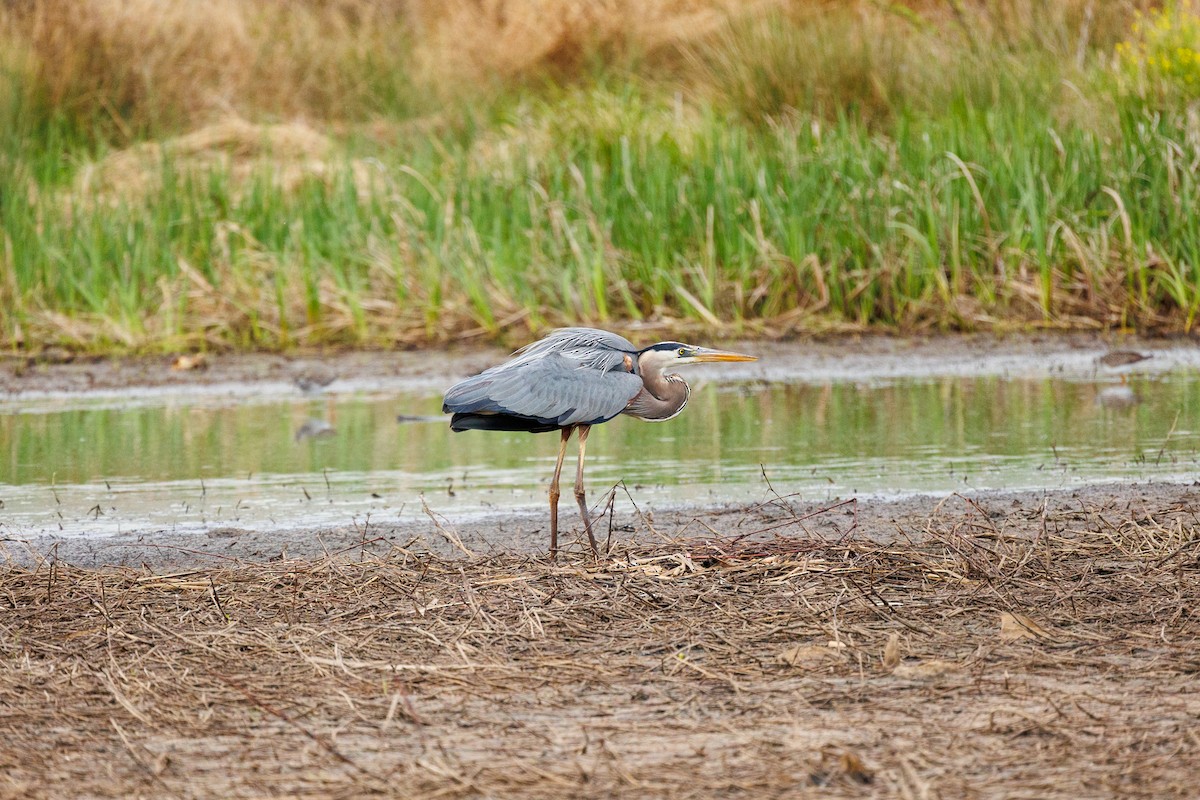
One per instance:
(682, 352)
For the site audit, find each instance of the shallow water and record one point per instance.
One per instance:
(177, 461)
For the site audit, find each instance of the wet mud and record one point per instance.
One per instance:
(835, 358)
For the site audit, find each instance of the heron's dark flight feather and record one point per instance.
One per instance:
(498, 422)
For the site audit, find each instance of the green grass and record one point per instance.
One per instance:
(1000, 195)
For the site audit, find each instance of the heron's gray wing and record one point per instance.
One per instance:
(597, 343)
(551, 387)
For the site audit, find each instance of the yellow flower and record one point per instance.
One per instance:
(1164, 45)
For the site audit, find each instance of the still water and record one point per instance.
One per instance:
(194, 462)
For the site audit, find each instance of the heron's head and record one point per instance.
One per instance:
(665, 356)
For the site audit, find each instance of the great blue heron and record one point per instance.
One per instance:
(571, 380)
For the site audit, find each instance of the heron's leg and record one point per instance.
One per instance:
(562, 452)
(580, 495)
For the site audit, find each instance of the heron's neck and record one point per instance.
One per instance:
(662, 397)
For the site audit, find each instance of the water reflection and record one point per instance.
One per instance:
(1120, 396)
(822, 440)
(313, 428)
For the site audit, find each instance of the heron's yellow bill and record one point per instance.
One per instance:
(704, 354)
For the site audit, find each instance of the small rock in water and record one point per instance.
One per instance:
(1118, 397)
(313, 428)
(188, 363)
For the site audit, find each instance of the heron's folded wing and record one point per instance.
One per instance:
(589, 347)
(569, 338)
(553, 388)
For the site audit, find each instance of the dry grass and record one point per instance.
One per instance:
(465, 42)
(287, 155)
(140, 66)
(871, 60)
(160, 61)
(143, 65)
(1046, 654)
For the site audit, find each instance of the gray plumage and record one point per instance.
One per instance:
(571, 380)
(575, 376)
(594, 348)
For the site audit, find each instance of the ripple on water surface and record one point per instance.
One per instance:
(180, 462)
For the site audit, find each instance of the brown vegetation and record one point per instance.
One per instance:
(468, 41)
(142, 65)
(1039, 654)
(234, 148)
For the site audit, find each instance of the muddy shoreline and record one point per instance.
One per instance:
(986, 650)
(824, 358)
(525, 531)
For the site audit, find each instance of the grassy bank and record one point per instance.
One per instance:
(353, 173)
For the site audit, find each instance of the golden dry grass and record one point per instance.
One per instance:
(141, 65)
(1045, 654)
(466, 41)
(138, 57)
(287, 154)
